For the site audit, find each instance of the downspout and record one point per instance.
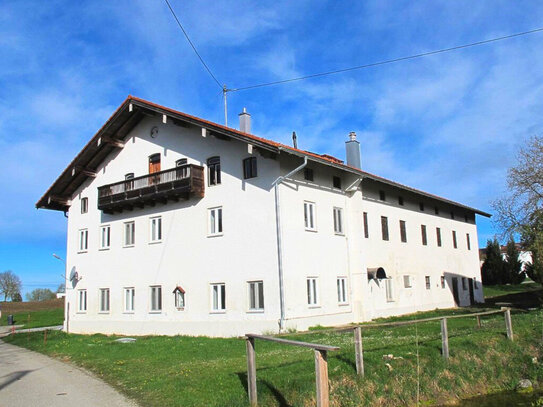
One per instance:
(279, 242)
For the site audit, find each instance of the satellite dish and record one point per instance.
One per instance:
(74, 277)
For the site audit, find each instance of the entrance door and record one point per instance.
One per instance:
(455, 290)
(471, 292)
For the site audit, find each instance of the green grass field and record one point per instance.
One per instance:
(499, 290)
(33, 314)
(198, 371)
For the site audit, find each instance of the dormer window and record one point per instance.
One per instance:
(179, 294)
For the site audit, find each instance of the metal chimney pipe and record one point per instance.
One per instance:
(294, 140)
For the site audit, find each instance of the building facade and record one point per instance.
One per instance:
(177, 225)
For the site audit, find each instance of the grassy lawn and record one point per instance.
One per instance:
(499, 290)
(198, 371)
(33, 314)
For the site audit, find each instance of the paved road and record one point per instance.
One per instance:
(30, 379)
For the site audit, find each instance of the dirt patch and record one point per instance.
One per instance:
(14, 307)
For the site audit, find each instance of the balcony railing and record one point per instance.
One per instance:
(173, 184)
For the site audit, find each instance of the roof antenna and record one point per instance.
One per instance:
(294, 140)
(224, 92)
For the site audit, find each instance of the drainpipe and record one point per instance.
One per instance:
(279, 241)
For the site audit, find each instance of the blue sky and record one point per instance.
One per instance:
(448, 124)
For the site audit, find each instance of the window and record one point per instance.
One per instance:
(366, 231)
(249, 168)
(338, 221)
(400, 200)
(436, 210)
(218, 297)
(156, 298)
(423, 235)
(443, 283)
(129, 233)
(82, 301)
(256, 295)
(468, 242)
(407, 281)
(309, 216)
(83, 240)
(214, 170)
(312, 298)
(179, 298)
(428, 285)
(104, 299)
(382, 196)
(342, 290)
(182, 172)
(452, 215)
(181, 162)
(421, 206)
(336, 182)
(464, 283)
(455, 245)
(388, 288)
(155, 229)
(105, 236)
(154, 163)
(129, 296)
(384, 227)
(215, 221)
(308, 174)
(129, 185)
(438, 236)
(403, 231)
(84, 205)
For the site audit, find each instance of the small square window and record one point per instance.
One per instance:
(336, 182)
(407, 281)
(249, 168)
(400, 200)
(382, 196)
(84, 205)
(452, 215)
(308, 174)
(421, 206)
(436, 210)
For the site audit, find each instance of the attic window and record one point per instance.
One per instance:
(308, 174)
(421, 206)
(179, 297)
(400, 200)
(336, 182)
(382, 196)
(249, 168)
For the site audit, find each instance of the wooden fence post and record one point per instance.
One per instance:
(508, 324)
(359, 352)
(444, 339)
(478, 321)
(321, 378)
(251, 371)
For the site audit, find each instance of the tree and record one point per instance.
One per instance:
(17, 298)
(40, 294)
(10, 284)
(492, 271)
(61, 288)
(512, 264)
(520, 211)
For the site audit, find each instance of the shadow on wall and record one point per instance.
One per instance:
(465, 290)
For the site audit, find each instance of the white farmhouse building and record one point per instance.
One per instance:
(177, 225)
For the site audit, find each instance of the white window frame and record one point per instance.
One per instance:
(132, 233)
(215, 226)
(312, 284)
(155, 229)
(105, 240)
(82, 301)
(155, 299)
(310, 216)
(389, 288)
(255, 292)
(179, 300)
(342, 296)
(338, 221)
(84, 205)
(129, 299)
(104, 300)
(218, 298)
(83, 243)
(407, 281)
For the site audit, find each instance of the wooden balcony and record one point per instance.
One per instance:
(174, 184)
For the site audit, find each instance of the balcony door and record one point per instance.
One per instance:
(154, 163)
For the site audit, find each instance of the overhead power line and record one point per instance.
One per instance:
(192, 45)
(389, 61)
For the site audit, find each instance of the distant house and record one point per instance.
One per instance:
(525, 256)
(177, 225)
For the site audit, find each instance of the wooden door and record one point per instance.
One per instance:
(154, 163)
